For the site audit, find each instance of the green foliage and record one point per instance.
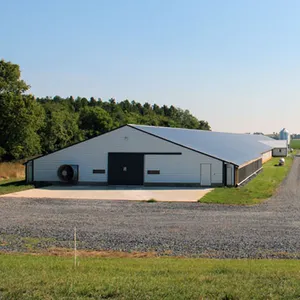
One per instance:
(52, 277)
(30, 126)
(2, 153)
(60, 127)
(260, 188)
(69, 121)
(152, 200)
(20, 115)
(94, 121)
(10, 81)
(20, 119)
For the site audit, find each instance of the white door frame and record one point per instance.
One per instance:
(201, 181)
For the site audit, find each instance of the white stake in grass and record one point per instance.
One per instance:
(75, 248)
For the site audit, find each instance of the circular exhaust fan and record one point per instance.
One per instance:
(66, 173)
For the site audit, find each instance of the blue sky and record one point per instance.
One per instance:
(234, 63)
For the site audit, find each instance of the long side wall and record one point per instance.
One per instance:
(248, 171)
(266, 156)
(93, 154)
(280, 152)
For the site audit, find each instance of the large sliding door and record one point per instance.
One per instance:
(125, 168)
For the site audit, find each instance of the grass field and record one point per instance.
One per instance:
(13, 185)
(12, 178)
(295, 144)
(49, 277)
(263, 186)
(11, 170)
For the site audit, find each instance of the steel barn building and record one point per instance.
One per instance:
(156, 156)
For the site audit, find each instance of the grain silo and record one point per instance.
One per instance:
(284, 135)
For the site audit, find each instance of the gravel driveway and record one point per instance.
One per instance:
(271, 229)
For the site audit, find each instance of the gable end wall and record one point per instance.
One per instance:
(93, 154)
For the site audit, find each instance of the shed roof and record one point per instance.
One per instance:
(276, 143)
(230, 147)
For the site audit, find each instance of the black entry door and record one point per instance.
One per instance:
(126, 168)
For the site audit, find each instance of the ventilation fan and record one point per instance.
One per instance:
(68, 173)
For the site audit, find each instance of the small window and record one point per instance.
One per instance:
(98, 171)
(279, 150)
(153, 172)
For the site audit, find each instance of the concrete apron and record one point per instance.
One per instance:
(114, 193)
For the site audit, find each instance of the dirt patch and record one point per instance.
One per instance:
(64, 252)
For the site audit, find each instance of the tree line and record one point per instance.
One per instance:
(31, 126)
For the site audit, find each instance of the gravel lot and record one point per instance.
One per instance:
(267, 230)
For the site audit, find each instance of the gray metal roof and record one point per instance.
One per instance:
(230, 147)
(276, 143)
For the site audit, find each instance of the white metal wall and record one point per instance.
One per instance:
(280, 152)
(266, 156)
(181, 168)
(93, 154)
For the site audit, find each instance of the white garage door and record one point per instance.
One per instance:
(205, 173)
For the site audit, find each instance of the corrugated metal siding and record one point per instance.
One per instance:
(93, 154)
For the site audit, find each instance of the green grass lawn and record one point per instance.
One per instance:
(50, 277)
(263, 186)
(13, 185)
(295, 144)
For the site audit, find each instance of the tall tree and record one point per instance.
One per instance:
(60, 128)
(10, 81)
(94, 121)
(93, 101)
(20, 115)
(20, 119)
(203, 125)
